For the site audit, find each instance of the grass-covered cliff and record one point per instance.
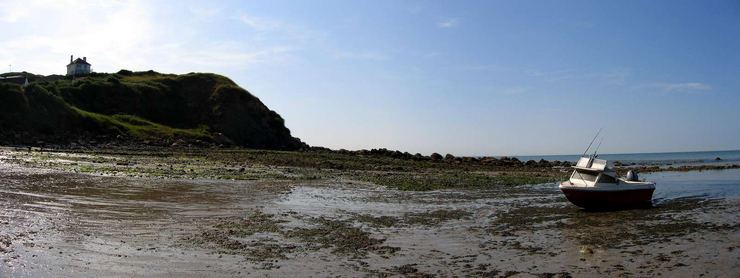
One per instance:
(140, 107)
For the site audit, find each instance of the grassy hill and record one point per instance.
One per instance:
(140, 107)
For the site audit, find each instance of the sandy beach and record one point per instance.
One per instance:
(57, 222)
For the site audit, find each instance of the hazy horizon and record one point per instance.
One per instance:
(469, 78)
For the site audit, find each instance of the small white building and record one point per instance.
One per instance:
(78, 67)
(15, 79)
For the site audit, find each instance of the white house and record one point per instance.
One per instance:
(78, 67)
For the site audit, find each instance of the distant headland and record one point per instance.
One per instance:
(85, 107)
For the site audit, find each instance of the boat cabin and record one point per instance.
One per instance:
(590, 171)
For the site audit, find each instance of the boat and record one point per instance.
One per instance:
(594, 185)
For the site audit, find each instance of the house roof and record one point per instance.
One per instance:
(79, 61)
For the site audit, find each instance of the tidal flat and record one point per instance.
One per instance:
(226, 213)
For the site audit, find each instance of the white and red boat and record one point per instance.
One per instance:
(594, 185)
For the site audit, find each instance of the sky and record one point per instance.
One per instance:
(459, 77)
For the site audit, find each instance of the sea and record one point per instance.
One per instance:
(660, 159)
(708, 184)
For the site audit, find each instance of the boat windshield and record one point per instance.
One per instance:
(583, 175)
(607, 179)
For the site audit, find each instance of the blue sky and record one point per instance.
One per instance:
(460, 77)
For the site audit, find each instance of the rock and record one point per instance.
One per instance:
(717, 158)
(470, 159)
(488, 159)
(407, 269)
(436, 157)
(179, 142)
(586, 250)
(221, 139)
(5, 244)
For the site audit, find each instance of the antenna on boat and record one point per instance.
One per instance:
(592, 142)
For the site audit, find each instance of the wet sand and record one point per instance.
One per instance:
(56, 223)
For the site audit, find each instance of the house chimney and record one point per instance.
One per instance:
(70, 59)
(84, 59)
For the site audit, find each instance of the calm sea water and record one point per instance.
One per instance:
(672, 158)
(713, 184)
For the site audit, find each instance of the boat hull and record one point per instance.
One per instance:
(609, 199)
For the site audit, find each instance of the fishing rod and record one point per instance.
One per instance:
(597, 147)
(592, 142)
(586, 151)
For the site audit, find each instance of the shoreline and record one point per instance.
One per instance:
(381, 167)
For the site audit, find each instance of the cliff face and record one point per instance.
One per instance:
(141, 106)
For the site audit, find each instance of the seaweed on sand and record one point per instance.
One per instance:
(226, 237)
(342, 237)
